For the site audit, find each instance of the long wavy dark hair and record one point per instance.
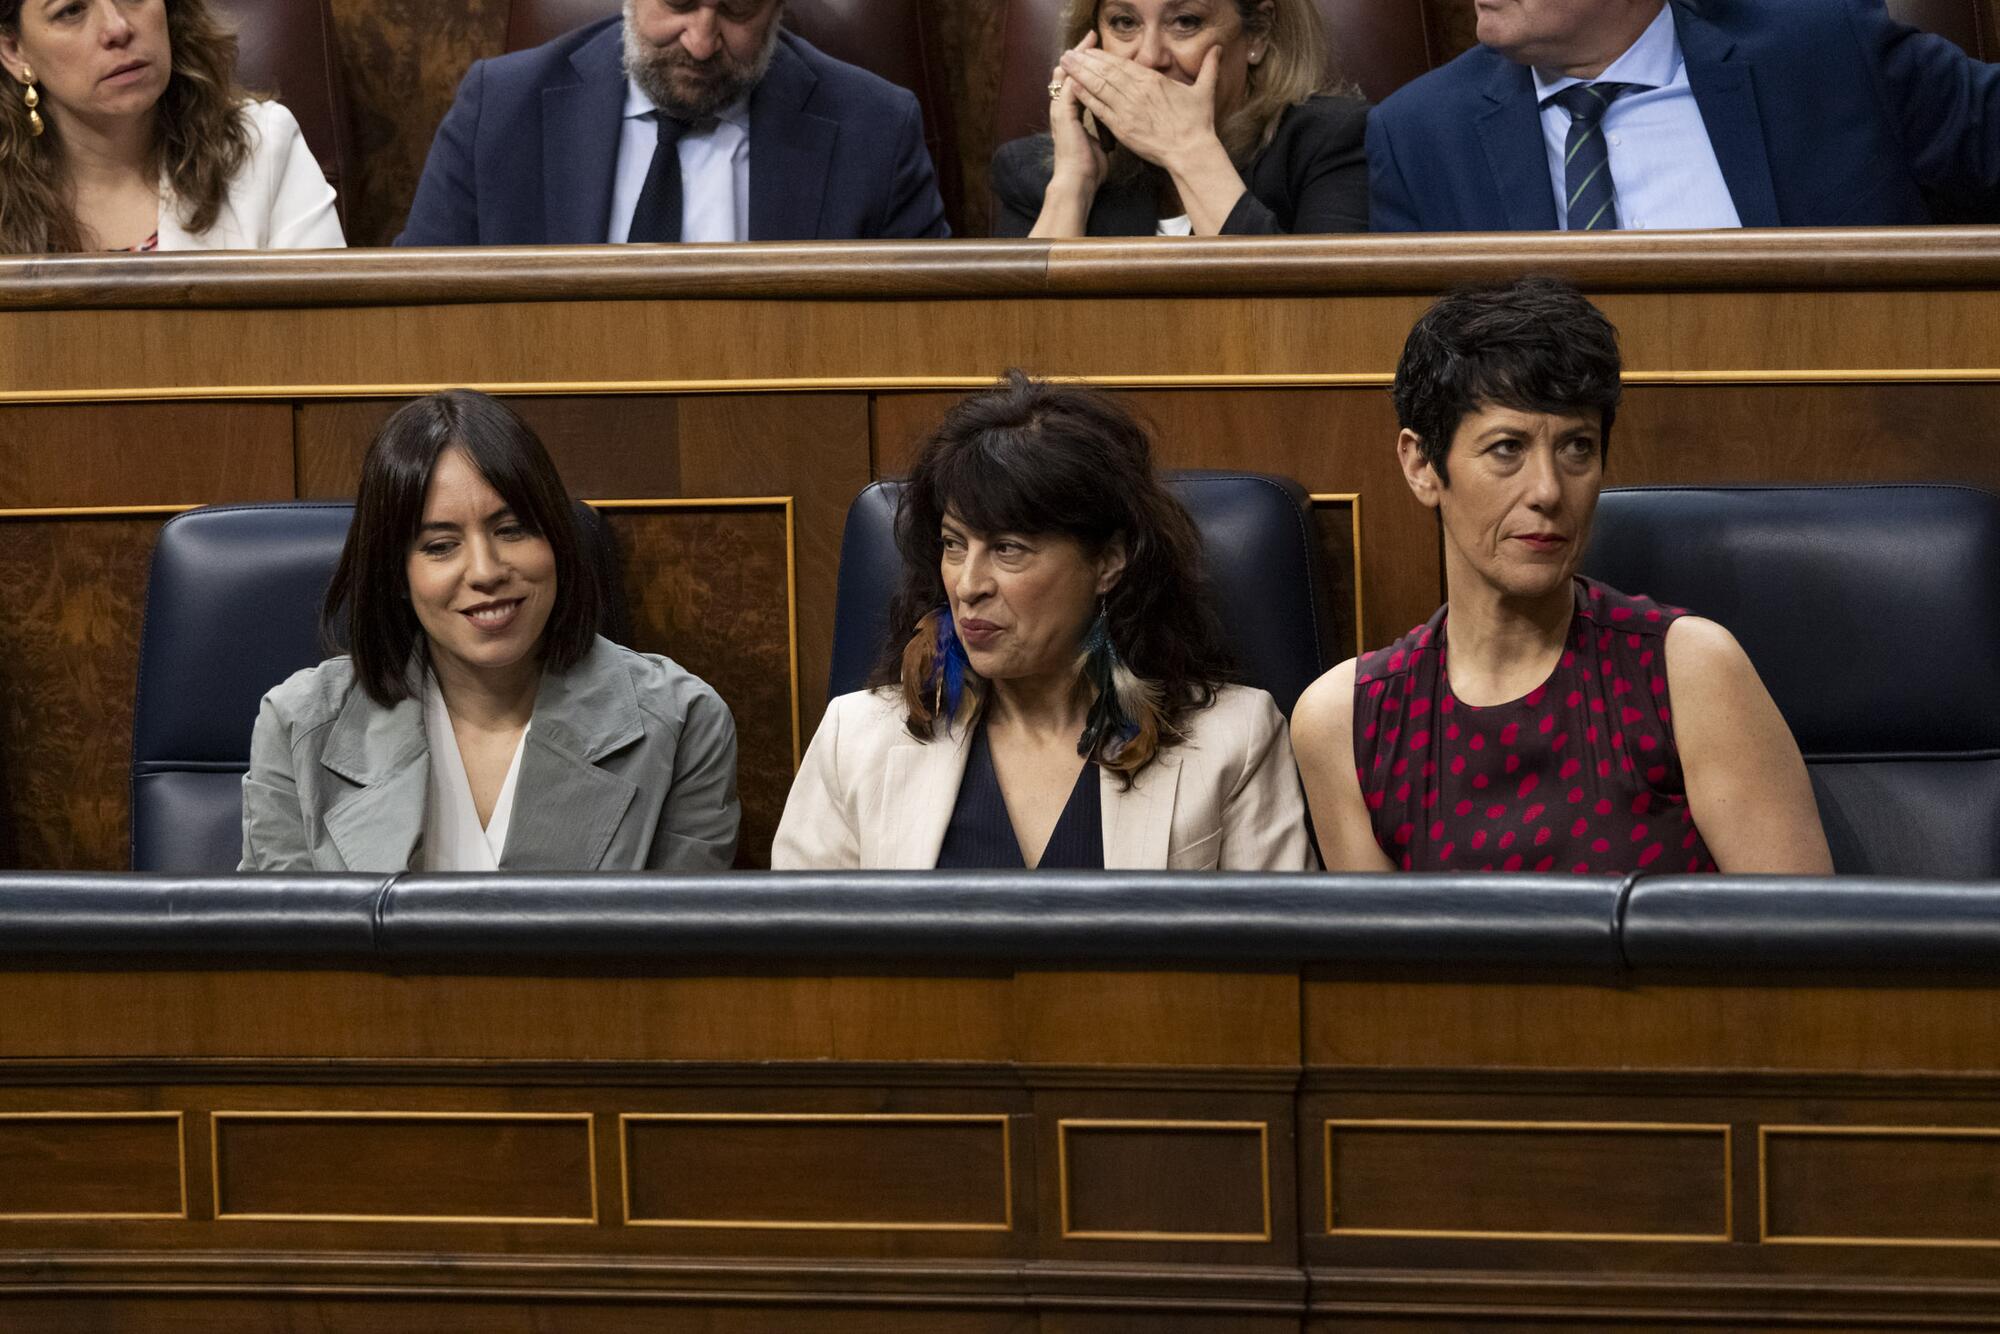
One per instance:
(1032, 457)
(202, 139)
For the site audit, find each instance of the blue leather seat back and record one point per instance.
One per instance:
(1262, 562)
(232, 609)
(1873, 615)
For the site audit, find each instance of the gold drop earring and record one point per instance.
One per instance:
(33, 99)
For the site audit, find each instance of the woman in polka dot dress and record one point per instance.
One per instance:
(1530, 725)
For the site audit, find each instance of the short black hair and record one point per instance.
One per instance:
(368, 603)
(1535, 345)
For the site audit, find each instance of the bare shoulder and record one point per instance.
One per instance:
(1702, 652)
(1326, 709)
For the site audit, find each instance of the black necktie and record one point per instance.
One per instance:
(658, 215)
(1587, 185)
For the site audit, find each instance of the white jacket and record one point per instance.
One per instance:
(279, 200)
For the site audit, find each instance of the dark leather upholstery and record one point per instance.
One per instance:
(285, 48)
(889, 38)
(1873, 615)
(1601, 930)
(1261, 556)
(232, 609)
(1379, 44)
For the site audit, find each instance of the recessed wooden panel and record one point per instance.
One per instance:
(72, 599)
(1881, 1186)
(94, 1165)
(712, 588)
(611, 446)
(1605, 1182)
(840, 1172)
(1164, 1180)
(390, 1166)
(102, 454)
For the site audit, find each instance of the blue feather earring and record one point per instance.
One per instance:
(936, 672)
(948, 667)
(1125, 708)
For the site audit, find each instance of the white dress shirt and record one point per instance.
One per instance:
(715, 171)
(1663, 166)
(454, 840)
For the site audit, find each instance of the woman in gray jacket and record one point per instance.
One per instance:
(478, 721)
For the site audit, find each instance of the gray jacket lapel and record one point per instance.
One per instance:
(376, 827)
(566, 808)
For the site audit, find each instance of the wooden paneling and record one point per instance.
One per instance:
(387, 1167)
(72, 599)
(125, 1165)
(1165, 1181)
(803, 1171)
(1885, 1186)
(144, 454)
(1551, 1180)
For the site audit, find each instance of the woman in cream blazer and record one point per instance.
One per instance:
(1062, 701)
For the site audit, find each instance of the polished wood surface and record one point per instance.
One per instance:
(760, 388)
(1269, 1149)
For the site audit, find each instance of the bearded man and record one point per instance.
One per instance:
(681, 120)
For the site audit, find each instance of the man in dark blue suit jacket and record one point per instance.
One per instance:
(528, 153)
(1819, 112)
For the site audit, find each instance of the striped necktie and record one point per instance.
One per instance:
(1592, 199)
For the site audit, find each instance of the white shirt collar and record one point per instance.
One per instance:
(1654, 61)
(638, 105)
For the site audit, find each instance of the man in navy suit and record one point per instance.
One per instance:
(696, 120)
(1645, 114)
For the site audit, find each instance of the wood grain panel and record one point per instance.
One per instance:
(804, 1171)
(1165, 1180)
(1422, 1025)
(144, 454)
(72, 597)
(80, 1166)
(1591, 1181)
(711, 589)
(435, 1168)
(1111, 1018)
(617, 447)
(403, 60)
(1881, 1186)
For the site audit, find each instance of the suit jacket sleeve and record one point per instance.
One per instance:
(816, 832)
(698, 828)
(1318, 165)
(1390, 208)
(1019, 181)
(1264, 820)
(302, 215)
(915, 207)
(274, 826)
(446, 209)
(1945, 106)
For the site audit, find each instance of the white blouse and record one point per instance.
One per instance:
(454, 840)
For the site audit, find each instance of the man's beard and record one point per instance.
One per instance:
(689, 89)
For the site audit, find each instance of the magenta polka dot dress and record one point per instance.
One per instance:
(1580, 774)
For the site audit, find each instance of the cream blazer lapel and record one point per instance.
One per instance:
(919, 788)
(1139, 821)
(375, 828)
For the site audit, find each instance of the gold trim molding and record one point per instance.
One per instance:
(1069, 1233)
(589, 1121)
(627, 1119)
(179, 1120)
(1725, 1133)
(1764, 1134)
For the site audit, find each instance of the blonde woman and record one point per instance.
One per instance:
(1189, 117)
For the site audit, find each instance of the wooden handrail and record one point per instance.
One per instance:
(1895, 258)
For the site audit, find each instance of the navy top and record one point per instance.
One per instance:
(981, 837)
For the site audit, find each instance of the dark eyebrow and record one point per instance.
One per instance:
(504, 512)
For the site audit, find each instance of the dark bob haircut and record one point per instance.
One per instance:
(1029, 457)
(1534, 346)
(368, 603)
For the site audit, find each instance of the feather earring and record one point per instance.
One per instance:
(935, 669)
(1123, 728)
